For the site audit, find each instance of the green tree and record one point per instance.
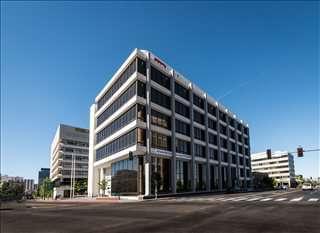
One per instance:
(103, 186)
(46, 189)
(11, 190)
(80, 186)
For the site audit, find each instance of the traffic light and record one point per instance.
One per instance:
(300, 151)
(130, 155)
(269, 153)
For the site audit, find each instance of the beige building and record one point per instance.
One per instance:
(280, 166)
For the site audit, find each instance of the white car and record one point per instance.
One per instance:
(306, 186)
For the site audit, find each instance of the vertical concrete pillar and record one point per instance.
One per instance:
(91, 177)
(208, 188)
(219, 149)
(229, 155)
(173, 135)
(193, 164)
(147, 166)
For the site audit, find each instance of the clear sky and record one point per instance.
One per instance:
(260, 59)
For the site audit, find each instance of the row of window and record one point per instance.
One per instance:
(77, 157)
(124, 98)
(74, 150)
(181, 91)
(199, 150)
(198, 101)
(199, 134)
(136, 136)
(117, 124)
(160, 99)
(160, 141)
(160, 119)
(122, 79)
(198, 117)
(77, 173)
(74, 143)
(182, 127)
(160, 78)
(182, 146)
(182, 109)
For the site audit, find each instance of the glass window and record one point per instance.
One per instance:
(182, 109)
(212, 110)
(160, 99)
(182, 146)
(160, 141)
(199, 134)
(120, 81)
(182, 127)
(199, 151)
(160, 78)
(198, 101)
(160, 119)
(198, 117)
(181, 91)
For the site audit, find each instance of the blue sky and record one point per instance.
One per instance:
(56, 57)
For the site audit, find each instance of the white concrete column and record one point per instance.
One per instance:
(101, 177)
(147, 179)
(92, 182)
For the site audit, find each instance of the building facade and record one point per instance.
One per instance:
(6, 178)
(69, 158)
(28, 185)
(181, 139)
(42, 174)
(280, 166)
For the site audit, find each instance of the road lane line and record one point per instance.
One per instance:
(281, 199)
(313, 199)
(254, 199)
(297, 199)
(266, 199)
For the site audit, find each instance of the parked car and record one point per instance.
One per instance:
(306, 186)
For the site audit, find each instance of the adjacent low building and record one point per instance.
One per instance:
(42, 174)
(69, 158)
(280, 166)
(28, 185)
(180, 138)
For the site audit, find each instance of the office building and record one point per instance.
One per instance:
(42, 174)
(180, 138)
(28, 185)
(6, 178)
(69, 158)
(279, 166)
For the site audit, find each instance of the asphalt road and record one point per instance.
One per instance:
(293, 211)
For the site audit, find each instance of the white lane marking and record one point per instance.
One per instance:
(297, 199)
(281, 199)
(266, 199)
(240, 199)
(229, 199)
(313, 199)
(254, 199)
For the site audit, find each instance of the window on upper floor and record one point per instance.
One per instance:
(213, 139)
(160, 99)
(160, 141)
(182, 109)
(198, 101)
(199, 151)
(212, 110)
(182, 127)
(160, 119)
(160, 78)
(199, 134)
(142, 67)
(198, 117)
(182, 146)
(212, 124)
(181, 91)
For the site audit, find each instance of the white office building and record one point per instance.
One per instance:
(28, 185)
(182, 140)
(280, 166)
(69, 158)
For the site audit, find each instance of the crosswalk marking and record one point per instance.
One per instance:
(297, 199)
(240, 199)
(281, 199)
(266, 199)
(313, 199)
(254, 199)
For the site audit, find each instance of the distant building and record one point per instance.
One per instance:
(28, 185)
(43, 173)
(69, 158)
(6, 178)
(280, 166)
